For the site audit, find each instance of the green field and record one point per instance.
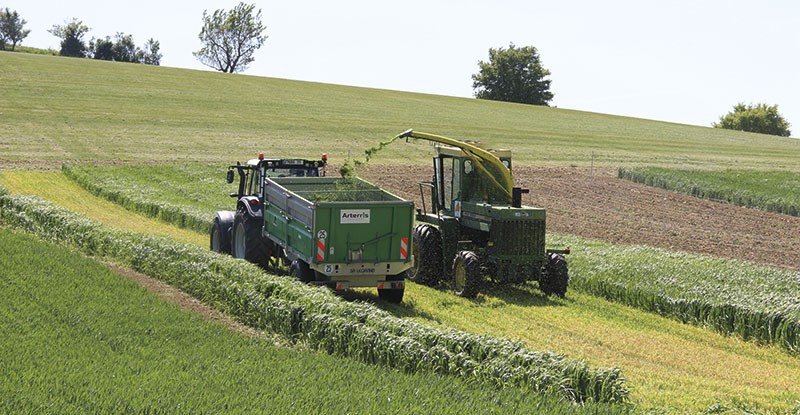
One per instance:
(56, 110)
(754, 302)
(78, 338)
(585, 327)
(773, 191)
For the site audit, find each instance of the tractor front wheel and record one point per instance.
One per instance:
(466, 274)
(219, 243)
(554, 276)
(427, 251)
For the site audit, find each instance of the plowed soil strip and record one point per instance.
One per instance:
(594, 203)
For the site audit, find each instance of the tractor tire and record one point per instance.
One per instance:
(219, 243)
(301, 271)
(467, 277)
(427, 251)
(554, 276)
(247, 241)
(392, 295)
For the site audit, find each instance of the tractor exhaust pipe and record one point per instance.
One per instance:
(516, 196)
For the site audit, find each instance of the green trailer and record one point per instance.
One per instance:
(339, 232)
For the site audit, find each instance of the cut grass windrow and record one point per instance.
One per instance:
(121, 349)
(733, 297)
(772, 191)
(317, 317)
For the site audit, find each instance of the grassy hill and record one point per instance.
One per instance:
(56, 108)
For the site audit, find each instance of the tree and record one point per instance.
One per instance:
(513, 75)
(102, 49)
(123, 49)
(12, 29)
(759, 118)
(150, 53)
(230, 38)
(71, 34)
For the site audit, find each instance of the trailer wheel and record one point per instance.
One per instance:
(248, 243)
(218, 242)
(392, 295)
(427, 251)
(466, 274)
(301, 271)
(555, 276)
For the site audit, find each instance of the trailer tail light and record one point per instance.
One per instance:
(404, 248)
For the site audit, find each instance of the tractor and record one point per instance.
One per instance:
(476, 226)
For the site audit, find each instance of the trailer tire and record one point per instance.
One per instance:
(247, 241)
(555, 275)
(393, 295)
(427, 251)
(466, 274)
(301, 271)
(219, 243)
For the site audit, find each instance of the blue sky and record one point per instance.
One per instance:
(679, 61)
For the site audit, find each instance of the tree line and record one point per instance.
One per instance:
(230, 39)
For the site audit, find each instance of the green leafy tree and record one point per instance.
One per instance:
(102, 49)
(71, 35)
(123, 49)
(150, 54)
(230, 38)
(759, 118)
(12, 29)
(513, 75)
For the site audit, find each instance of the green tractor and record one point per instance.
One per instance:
(476, 227)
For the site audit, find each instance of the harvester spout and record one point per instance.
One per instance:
(486, 162)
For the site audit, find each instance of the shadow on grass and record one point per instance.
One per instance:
(524, 295)
(406, 309)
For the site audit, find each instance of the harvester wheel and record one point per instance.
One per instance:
(218, 242)
(301, 271)
(554, 277)
(427, 251)
(466, 274)
(248, 243)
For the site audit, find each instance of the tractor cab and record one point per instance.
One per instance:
(251, 175)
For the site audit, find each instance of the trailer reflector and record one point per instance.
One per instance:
(404, 248)
(320, 250)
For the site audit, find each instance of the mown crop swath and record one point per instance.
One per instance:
(754, 302)
(122, 350)
(316, 316)
(734, 297)
(773, 191)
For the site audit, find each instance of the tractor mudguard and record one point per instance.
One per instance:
(252, 204)
(225, 218)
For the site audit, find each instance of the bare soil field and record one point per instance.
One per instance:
(594, 203)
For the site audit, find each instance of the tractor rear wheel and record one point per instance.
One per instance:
(554, 276)
(427, 251)
(219, 243)
(466, 274)
(248, 243)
